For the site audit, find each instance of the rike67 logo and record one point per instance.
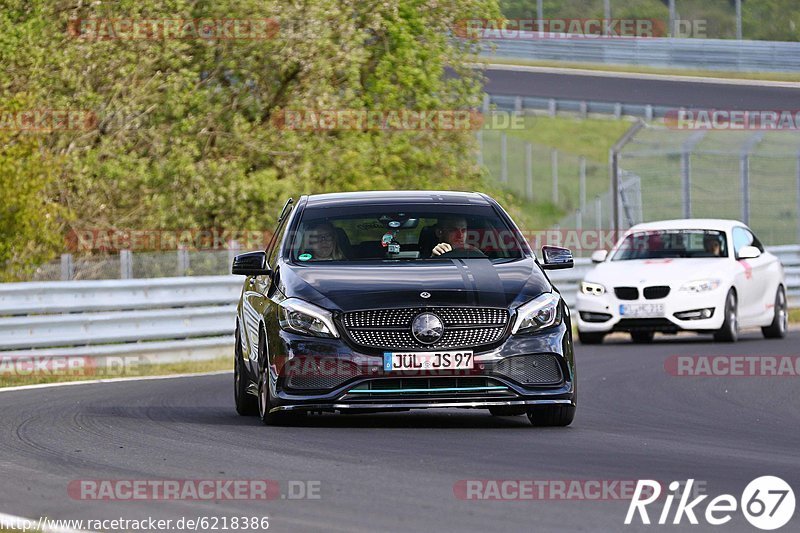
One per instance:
(767, 503)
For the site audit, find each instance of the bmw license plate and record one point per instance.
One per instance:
(460, 360)
(641, 310)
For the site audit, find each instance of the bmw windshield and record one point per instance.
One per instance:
(663, 244)
(403, 232)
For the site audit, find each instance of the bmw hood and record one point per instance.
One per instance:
(642, 272)
(454, 282)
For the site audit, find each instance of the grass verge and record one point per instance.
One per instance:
(154, 369)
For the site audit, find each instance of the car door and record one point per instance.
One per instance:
(261, 287)
(752, 278)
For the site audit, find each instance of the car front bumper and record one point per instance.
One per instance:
(602, 314)
(369, 388)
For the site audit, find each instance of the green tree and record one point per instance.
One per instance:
(186, 135)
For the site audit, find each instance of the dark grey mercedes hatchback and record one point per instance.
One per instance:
(398, 300)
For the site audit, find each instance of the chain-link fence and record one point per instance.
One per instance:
(541, 174)
(129, 264)
(752, 176)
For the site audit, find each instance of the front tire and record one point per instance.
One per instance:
(246, 404)
(590, 337)
(780, 321)
(551, 415)
(729, 332)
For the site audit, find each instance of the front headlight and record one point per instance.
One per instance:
(594, 289)
(298, 316)
(701, 285)
(541, 312)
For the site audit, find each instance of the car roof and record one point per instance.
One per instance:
(717, 224)
(396, 197)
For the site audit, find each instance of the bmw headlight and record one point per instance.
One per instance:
(701, 285)
(594, 289)
(541, 312)
(298, 316)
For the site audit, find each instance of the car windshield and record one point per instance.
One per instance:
(660, 244)
(403, 232)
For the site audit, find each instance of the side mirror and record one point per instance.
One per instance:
(251, 264)
(598, 256)
(749, 252)
(556, 258)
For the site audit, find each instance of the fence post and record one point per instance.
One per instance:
(618, 110)
(578, 220)
(744, 173)
(648, 113)
(613, 170)
(584, 109)
(480, 147)
(598, 212)
(686, 170)
(744, 176)
(503, 158)
(554, 167)
(486, 103)
(582, 196)
(518, 104)
(552, 108)
(125, 264)
(686, 183)
(67, 267)
(183, 260)
(529, 171)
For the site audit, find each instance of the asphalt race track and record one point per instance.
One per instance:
(661, 92)
(396, 472)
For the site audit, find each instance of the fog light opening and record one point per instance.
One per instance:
(696, 314)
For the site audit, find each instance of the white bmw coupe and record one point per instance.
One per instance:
(707, 276)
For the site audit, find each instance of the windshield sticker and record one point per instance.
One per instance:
(304, 257)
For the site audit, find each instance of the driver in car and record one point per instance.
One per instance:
(712, 245)
(451, 232)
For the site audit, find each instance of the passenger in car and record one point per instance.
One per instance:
(319, 241)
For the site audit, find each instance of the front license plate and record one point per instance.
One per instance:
(461, 360)
(641, 310)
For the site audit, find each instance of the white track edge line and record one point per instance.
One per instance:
(111, 380)
(637, 75)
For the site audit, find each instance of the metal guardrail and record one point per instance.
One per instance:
(581, 107)
(705, 54)
(164, 319)
(169, 319)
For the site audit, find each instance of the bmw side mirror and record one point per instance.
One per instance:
(251, 264)
(749, 252)
(556, 258)
(598, 256)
